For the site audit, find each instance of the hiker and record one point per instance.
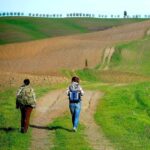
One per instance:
(74, 92)
(25, 100)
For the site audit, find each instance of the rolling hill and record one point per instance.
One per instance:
(48, 56)
(21, 29)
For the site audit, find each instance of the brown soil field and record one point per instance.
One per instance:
(48, 56)
(9, 79)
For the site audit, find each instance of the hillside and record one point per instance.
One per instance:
(49, 56)
(20, 29)
(132, 57)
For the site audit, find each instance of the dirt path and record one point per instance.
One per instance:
(108, 53)
(48, 107)
(55, 104)
(94, 134)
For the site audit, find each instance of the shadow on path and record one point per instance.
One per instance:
(8, 129)
(51, 128)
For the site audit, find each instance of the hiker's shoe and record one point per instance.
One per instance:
(74, 129)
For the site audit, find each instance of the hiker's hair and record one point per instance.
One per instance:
(75, 79)
(26, 81)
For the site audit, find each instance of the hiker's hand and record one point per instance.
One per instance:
(17, 106)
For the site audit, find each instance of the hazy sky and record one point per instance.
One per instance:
(84, 6)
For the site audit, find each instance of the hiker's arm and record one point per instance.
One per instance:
(67, 91)
(17, 95)
(81, 90)
(18, 92)
(34, 96)
(17, 104)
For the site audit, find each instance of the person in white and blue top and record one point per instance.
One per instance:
(74, 92)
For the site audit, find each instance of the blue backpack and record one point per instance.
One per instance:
(74, 95)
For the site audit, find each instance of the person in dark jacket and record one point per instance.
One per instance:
(26, 101)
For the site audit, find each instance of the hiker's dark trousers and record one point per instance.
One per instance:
(25, 117)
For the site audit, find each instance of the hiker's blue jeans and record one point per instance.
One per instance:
(75, 109)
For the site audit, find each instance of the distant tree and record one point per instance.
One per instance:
(7, 13)
(43, 15)
(18, 14)
(112, 16)
(77, 14)
(33, 15)
(74, 14)
(30, 14)
(60, 15)
(80, 14)
(0, 14)
(93, 15)
(15, 13)
(86, 63)
(145, 16)
(71, 15)
(22, 14)
(118, 16)
(3, 14)
(136, 16)
(54, 15)
(68, 15)
(11, 13)
(125, 14)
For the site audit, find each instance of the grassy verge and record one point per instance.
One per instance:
(124, 115)
(10, 137)
(65, 139)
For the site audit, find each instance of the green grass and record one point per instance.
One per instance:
(65, 139)
(90, 75)
(10, 137)
(20, 29)
(124, 115)
(132, 57)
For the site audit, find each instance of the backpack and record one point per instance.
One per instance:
(26, 96)
(74, 95)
